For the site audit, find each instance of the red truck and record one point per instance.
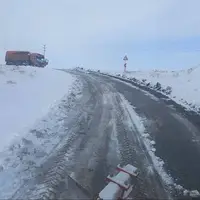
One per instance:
(25, 58)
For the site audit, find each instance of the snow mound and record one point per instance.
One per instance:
(27, 94)
(194, 193)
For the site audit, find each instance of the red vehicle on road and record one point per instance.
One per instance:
(25, 58)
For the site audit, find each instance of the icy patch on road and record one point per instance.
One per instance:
(114, 143)
(108, 99)
(144, 137)
(21, 161)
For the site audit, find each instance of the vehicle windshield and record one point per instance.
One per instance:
(40, 57)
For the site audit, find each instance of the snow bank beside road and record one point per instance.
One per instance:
(184, 84)
(27, 93)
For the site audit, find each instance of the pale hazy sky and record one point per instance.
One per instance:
(98, 33)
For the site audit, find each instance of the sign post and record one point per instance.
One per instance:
(125, 63)
(44, 49)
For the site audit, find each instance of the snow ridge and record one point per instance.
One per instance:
(22, 162)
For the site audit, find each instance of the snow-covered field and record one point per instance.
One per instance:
(33, 106)
(185, 87)
(26, 95)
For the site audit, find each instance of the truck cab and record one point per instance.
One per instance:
(38, 60)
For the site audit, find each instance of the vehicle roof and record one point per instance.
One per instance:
(37, 54)
(17, 52)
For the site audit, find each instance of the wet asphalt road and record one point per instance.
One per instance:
(177, 137)
(176, 140)
(102, 130)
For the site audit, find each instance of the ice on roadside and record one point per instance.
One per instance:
(153, 149)
(178, 187)
(185, 192)
(152, 142)
(145, 135)
(194, 193)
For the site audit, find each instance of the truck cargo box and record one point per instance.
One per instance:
(17, 57)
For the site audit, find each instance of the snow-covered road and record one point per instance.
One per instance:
(102, 123)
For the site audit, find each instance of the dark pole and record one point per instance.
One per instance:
(44, 47)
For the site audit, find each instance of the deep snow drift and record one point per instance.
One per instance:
(27, 94)
(184, 84)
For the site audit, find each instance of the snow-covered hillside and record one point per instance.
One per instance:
(26, 95)
(185, 87)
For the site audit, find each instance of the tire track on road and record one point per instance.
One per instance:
(133, 152)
